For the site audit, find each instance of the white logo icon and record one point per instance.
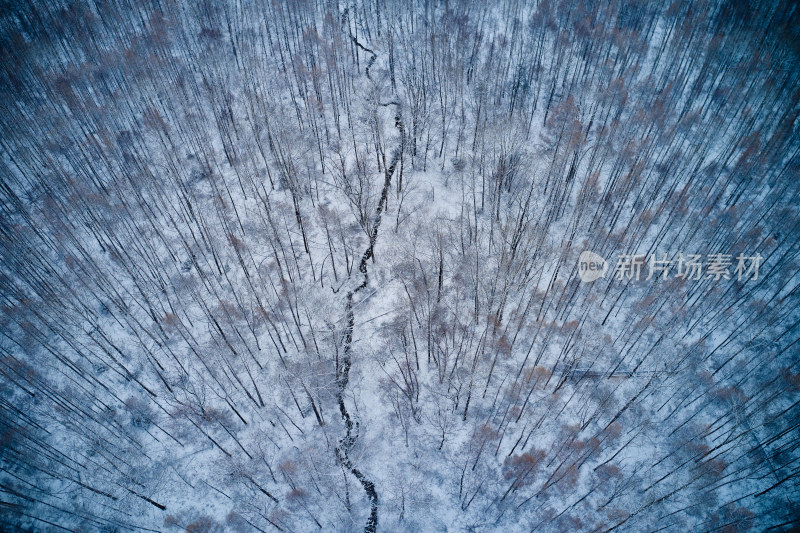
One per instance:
(591, 267)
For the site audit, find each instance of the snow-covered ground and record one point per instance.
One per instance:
(194, 199)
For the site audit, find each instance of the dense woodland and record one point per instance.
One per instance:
(313, 265)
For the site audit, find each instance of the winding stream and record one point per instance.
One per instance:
(343, 373)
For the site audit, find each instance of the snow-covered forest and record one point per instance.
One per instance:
(381, 265)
